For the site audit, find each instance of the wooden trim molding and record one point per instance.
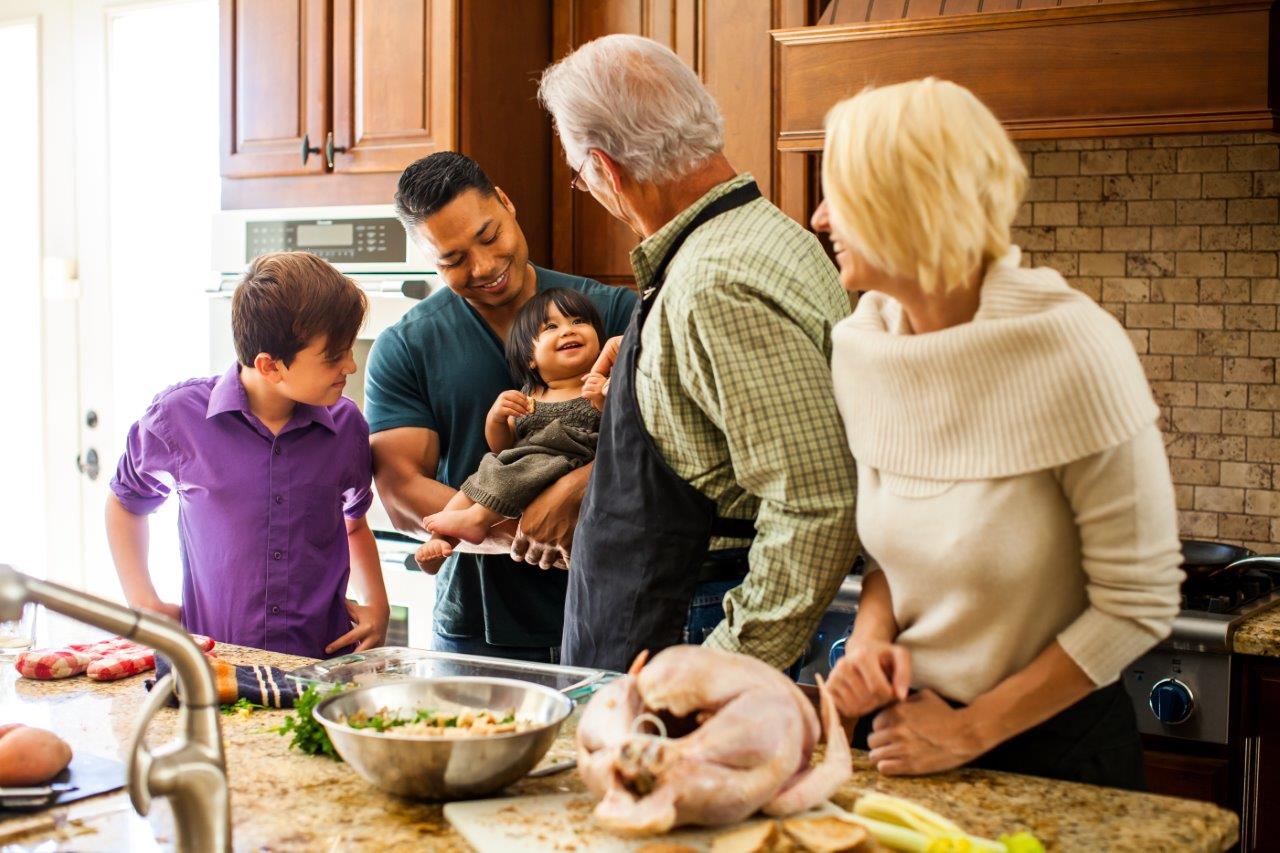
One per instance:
(1143, 67)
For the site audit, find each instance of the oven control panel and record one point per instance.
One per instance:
(1179, 694)
(338, 241)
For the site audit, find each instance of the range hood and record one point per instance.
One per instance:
(1104, 69)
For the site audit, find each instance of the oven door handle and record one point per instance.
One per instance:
(418, 289)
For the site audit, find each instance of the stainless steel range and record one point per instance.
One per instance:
(1182, 688)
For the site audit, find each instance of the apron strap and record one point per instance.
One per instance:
(735, 198)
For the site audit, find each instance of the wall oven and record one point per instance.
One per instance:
(369, 244)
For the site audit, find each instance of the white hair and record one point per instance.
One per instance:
(636, 101)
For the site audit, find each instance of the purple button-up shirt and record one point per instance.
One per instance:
(264, 545)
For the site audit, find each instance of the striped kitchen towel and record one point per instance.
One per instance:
(261, 685)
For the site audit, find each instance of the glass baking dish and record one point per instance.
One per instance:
(393, 663)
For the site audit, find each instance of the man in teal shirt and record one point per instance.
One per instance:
(432, 378)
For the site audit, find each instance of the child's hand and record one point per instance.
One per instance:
(510, 404)
(164, 608)
(370, 628)
(595, 387)
(608, 355)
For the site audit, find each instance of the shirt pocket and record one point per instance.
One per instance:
(322, 520)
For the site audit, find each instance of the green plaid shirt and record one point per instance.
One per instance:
(734, 385)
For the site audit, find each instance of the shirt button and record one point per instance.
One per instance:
(276, 450)
(275, 555)
(275, 610)
(279, 499)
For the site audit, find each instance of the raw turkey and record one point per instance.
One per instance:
(702, 736)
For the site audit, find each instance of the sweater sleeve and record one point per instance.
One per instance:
(1123, 503)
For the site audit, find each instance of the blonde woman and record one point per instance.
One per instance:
(1013, 490)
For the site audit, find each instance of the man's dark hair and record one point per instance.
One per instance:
(528, 324)
(434, 181)
(288, 298)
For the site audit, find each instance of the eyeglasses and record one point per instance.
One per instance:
(576, 182)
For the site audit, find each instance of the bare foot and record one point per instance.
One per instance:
(470, 525)
(431, 555)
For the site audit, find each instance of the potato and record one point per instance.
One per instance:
(30, 756)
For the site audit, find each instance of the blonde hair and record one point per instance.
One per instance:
(922, 180)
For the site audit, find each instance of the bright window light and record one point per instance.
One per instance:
(22, 499)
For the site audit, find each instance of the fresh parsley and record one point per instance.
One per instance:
(241, 707)
(308, 735)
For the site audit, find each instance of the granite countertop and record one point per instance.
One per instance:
(1259, 635)
(283, 800)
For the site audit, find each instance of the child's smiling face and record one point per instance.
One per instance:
(566, 347)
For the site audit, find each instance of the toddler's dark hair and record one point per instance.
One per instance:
(528, 324)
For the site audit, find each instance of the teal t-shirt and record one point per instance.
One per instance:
(441, 367)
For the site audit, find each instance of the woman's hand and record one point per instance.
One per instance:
(595, 387)
(872, 674)
(510, 404)
(922, 734)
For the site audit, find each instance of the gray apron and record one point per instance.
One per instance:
(643, 532)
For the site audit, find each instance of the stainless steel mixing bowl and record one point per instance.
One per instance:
(445, 768)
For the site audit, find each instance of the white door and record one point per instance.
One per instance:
(128, 185)
(147, 134)
(41, 495)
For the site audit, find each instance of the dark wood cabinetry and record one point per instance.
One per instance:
(1194, 777)
(394, 79)
(383, 82)
(275, 86)
(1260, 753)
(727, 42)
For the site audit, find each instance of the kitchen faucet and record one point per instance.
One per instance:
(190, 770)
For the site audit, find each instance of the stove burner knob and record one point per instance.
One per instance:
(1171, 701)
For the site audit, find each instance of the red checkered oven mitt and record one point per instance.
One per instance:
(105, 660)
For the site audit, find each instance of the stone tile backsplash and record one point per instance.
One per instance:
(1177, 236)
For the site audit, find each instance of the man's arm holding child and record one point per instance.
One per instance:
(404, 469)
(372, 616)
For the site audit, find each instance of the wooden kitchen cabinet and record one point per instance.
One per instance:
(275, 86)
(1193, 777)
(392, 81)
(1260, 753)
(727, 42)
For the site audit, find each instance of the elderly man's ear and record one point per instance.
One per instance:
(606, 166)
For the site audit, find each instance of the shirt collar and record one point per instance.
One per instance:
(646, 256)
(228, 395)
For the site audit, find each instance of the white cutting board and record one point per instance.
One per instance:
(554, 823)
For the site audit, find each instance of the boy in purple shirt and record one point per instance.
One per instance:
(266, 459)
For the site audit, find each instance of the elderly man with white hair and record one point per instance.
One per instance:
(721, 506)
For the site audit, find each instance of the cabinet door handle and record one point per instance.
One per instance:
(308, 150)
(330, 150)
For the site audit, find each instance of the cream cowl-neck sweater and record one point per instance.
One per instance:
(1012, 482)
